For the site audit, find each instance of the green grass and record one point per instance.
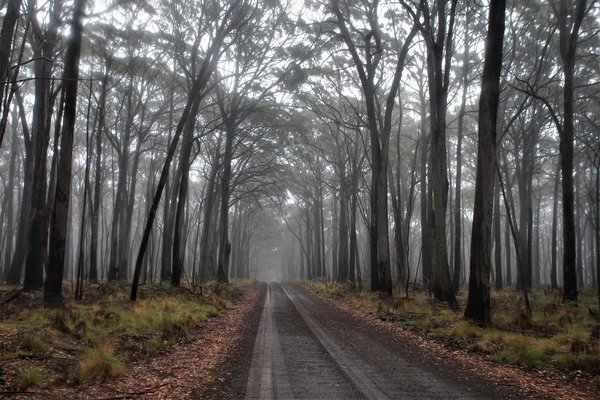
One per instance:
(34, 344)
(30, 377)
(520, 350)
(96, 339)
(99, 364)
(557, 335)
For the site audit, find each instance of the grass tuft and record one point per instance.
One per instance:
(99, 364)
(35, 344)
(30, 377)
(520, 350)
(584, 362)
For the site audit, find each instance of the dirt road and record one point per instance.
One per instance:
(305, 349)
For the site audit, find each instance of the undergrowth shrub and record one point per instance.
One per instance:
(153, 345)
(519, 350)
(34, 343)
(36, 319)
(584, 362)
(99, 364)
(29, 377)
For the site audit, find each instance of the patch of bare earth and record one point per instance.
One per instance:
(205, 365)
(549, 384)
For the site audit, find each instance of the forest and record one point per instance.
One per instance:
(433, 163)
(440, 144)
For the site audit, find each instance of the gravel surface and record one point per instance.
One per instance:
(307, 349)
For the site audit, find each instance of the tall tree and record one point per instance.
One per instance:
(44, 43)
(379, 126)
(60, 213)
(570, 17)
(231, 16)
(458, 208)
(478, 302)
(437, 30)
(9, 22)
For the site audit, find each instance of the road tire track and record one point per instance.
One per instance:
(268, 364)
(362, 377)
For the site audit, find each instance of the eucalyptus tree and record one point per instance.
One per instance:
(135, 115)
(305, 181)
(436, 23)
(225, 19)
(7, 36)
(567, 19)
(100, 39)
(358, 30)
(419, 76)
(465, 79)
(478, 303)
(8, 209)
(206, 258)
(60, 211)
(337, 138)
(247, 91)
(23, 224)
(403, 190)
(45, 38)
(570, 16)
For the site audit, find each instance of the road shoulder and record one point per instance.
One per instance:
(530, 383)
(208, 364)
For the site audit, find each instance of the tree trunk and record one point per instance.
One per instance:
(86, 184)
(579, 236)
(170, 199)
(95, 220)
(7, 32)
(205, 272)
(9, 201)
(497, 239)
(353, 261)
(507, 242)
(459, 144)
(554, 245)
(569, 26)
(224, 244)
(43, 51)
(334, 238)
(478, 302)
(439, 43)
(23, 226)
(597, 162)
(60, 213)
(425, 204)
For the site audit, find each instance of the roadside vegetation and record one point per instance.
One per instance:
(100, 337)
(557, 335)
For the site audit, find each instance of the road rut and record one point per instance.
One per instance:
(304, 349)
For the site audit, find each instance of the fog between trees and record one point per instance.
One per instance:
(182, 141)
